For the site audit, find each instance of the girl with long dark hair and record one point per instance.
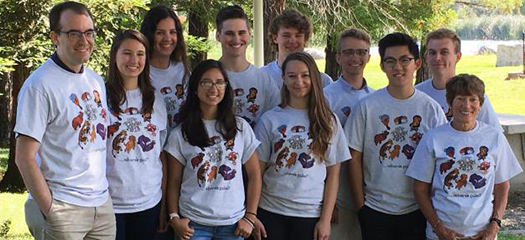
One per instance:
(206, 196)
(135, 137)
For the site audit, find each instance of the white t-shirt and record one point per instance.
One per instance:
(486, 113)
(294, 180)
(342, 97)
(67, 113)
(171, 85)
(387, 130)
(276, 73)
(462, 168)
(254, 93)
(212, 189)
(134, 168)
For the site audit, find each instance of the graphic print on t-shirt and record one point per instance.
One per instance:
(290, 150)
(87, 121)
(465, 172)
(247, 103)
(346, 110)
(132, 129)
(400, 136)
(174, 102)
(216, 160)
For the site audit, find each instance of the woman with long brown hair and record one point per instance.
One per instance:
(302, 144)
(135, 138)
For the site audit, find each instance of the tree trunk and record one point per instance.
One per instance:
(198, 27)
(423, 73)
(331, 67)
(272, 8)
(4, 120)
(12, 180)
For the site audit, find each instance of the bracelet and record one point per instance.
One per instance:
(249, 222)
(497, 220)
(436, 225)
(174, 215)
(254, 214)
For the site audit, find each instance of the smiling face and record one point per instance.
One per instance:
(353, 64)
(209, 91)
(297, 80)
(165, 38)
(289, 40)
(234, 37)
(465, 109)
(398, 75)
(441, 57)
(131, 59)
(73, 53)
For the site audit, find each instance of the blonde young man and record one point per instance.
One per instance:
(442, 55)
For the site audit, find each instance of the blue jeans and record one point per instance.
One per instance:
(214, 232)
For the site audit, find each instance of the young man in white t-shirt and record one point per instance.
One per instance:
(383, 132)
(442, 55)
(62, 117)
(290, 31)
(254, 91)
(353, 54)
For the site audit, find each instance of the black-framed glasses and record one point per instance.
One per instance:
(210, 84)
(350, 52)
(391, 62)
(76, 34)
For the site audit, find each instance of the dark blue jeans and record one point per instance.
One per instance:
(139, 225)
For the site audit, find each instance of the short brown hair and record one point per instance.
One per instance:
(465, 84)
(291, 18)
(56, 13)
(353, 33)
(444, 33)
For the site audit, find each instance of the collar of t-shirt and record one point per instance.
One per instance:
(61, 64)
(349, 87)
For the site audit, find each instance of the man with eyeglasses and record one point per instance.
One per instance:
(442, 55)
(62, 120)
(353, 54)
(383, 132)
(290, 31)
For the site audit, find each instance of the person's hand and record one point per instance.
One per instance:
(322, 230)
(335, 215)
(489, 233)
(163, 222)
(444, 233)
(259, 232)
(244, 228)
(182, 228)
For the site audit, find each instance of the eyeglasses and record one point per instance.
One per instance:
(359, 52)
(209, 85)
(404, 61)
(76, 35)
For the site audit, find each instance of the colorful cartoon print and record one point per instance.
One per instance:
(195, 161)
(346, 111)
(466, 169)
(179, 91)
(226, 172)
(416, 123)
(252, 95)
(306, 161)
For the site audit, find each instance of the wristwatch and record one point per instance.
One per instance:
(497, 220)
(174, 215)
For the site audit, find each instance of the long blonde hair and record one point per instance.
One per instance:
(322, 120)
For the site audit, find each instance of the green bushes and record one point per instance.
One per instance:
(500, 27)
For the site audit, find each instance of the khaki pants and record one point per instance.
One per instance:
(70, 222)
(348, 227)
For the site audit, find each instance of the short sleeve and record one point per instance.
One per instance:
(274, 97)
(488, 115)
(338, 149)
(174, 145)
(326, 79)
(423, 163)
(355, 128)
(507, 165)
(262, 133)
(250, 142)
(33, 113)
